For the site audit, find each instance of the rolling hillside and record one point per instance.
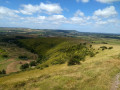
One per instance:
(95, 73)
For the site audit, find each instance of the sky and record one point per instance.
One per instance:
(101, 16)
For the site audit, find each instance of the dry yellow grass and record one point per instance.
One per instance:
(95, 73)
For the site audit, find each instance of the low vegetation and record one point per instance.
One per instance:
(58, 63)
(2, 72)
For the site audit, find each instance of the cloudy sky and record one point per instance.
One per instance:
(81, 15)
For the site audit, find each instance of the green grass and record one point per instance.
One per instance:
(95, 73)
(4, 65)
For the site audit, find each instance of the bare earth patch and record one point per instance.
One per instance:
(12, 67)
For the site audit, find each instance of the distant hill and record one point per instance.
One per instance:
(40, 32)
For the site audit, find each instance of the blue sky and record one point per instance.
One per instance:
(81, 15)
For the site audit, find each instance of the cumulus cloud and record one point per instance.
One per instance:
(107, 12)
(107, 1)
(100, 17)
(79, 18)
(51, 8)
(84, 1)
(46, 8)
(79, 13)
(8, 12)
(108, 21)
(57, 17)
(30, 9)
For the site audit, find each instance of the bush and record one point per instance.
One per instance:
(103, 47)
(90, 46)
(32, 63)
(92, 54)
(3, 72)
(24, 66)
(59, 61)
(23, 57)
(46, 65)
(5, 56)
(0, 72)
(75, 60)
(110, 48)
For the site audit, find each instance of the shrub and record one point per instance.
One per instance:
(24, 66)
(103, 47)
(46, 65)
(110, 48)
(5, 56)
(75, 60)
(23, 57)
(90, 46)
(32, 63)
(0, 72)
(3, 71)
(92, 54)
(104, 43)
(59, 61)
(97, 52)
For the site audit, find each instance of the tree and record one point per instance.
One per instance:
(76, 60)
(3, 71)
(24, 66)
(23, 57)
(110, 48)
(32, 63)
(5, 56)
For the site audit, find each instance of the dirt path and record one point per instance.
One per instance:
(116, 82)
(12, 67)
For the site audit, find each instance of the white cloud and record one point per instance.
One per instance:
(51, 8)
(107, 1)
(79, 13)
(8, 12)
(30, 9)
(109, 21)
(77, 20)
(100, 17)
(45, 8)
(84, 1)
(57, 17)
(107, 12)
(34, 20)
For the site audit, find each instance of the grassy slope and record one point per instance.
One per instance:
(13, 53)
(94, 74)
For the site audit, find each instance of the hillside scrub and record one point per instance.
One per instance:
(52, 51)
(66, 52)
